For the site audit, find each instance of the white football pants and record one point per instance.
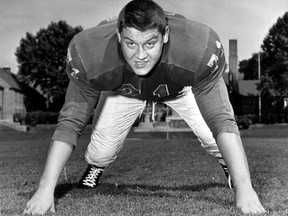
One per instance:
(115, 115)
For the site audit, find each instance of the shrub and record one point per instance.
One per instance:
(40, 117)
(243, 121)
(253, 117)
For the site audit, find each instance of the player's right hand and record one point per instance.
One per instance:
(41, 202)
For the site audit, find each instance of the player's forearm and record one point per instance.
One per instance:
(232, 150)
(58, 155)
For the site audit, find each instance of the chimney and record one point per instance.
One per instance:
(233, 64)
(233, 58)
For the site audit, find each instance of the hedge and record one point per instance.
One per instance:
(40, 117)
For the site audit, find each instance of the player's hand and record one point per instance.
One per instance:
(41, 202)
(247, 201)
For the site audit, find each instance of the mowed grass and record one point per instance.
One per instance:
(151, 176)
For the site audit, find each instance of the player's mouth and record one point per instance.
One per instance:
(140, 64)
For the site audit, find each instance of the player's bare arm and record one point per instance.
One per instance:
(43, 199)
(233, 152)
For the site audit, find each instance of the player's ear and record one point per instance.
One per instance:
(118, 35)
(166, 34)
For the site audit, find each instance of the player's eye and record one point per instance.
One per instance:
(150, 45)
(131, 44)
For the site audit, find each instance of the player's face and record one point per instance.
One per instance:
(142, 50)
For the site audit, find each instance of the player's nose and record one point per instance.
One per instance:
(141, 53)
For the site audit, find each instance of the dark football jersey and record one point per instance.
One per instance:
(193, 57)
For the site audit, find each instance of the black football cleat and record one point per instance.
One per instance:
(90, 177)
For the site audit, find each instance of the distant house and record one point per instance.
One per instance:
(11, 96)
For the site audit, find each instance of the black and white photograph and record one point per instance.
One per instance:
(143, 107)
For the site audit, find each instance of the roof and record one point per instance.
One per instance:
(248, 87)
(7, 76)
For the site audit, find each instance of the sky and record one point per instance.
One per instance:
(247, 21)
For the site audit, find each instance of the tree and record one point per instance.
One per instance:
(274, 57)
(275, 45)
(249, 67)
(274, 80)
(41, 60)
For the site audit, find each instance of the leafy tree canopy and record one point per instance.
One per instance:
(275, 45)
(41, 60)
(274, 65)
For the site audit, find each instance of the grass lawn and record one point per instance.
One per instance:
(151, 176)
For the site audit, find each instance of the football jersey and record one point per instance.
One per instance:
(193, 57)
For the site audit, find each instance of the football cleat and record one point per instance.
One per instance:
(229, 180)
(90, 177)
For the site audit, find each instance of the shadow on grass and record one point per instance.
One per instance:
(62, 189)
(132, 190)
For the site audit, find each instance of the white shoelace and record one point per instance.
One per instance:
(90, 178)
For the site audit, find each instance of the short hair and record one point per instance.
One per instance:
(142, 15)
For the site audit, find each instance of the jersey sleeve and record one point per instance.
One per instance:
(80, 100)
(216, 109)
(212, 65)
(211, 92)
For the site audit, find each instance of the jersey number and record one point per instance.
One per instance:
(161, 91)
(129, 89)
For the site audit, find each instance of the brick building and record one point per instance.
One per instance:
(11, 96)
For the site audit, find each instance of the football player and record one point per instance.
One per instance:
(119, 65)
